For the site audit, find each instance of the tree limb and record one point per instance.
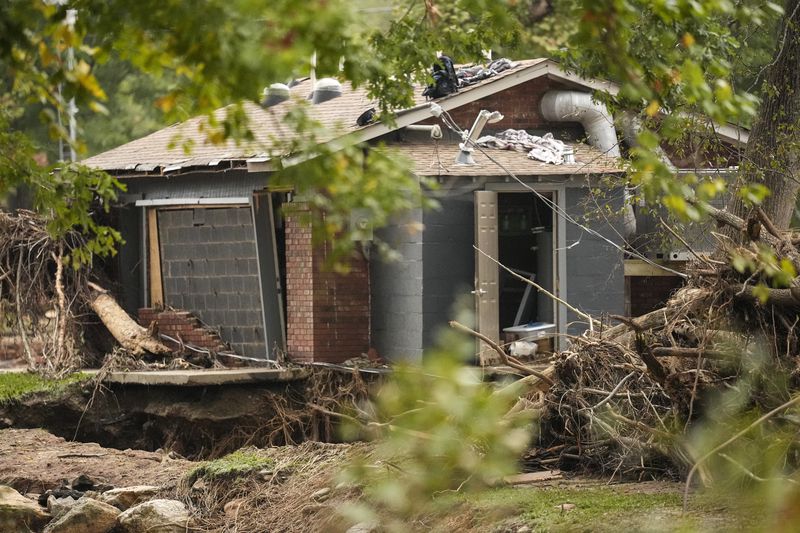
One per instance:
(668, 351)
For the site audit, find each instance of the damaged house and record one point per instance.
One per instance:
(205, 232)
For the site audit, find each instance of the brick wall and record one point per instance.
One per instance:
(648, 293)
(328, 314)
(519, 106)
(181, 325)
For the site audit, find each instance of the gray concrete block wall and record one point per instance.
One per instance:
(209, 267)
(595, 269)
(449, 262)
(396, 305)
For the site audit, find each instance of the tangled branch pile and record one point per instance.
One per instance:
(294, 489)
(39, 298)
(47, 302)
(312, 414)
(624, 398)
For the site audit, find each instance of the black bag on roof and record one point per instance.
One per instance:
(445, 80)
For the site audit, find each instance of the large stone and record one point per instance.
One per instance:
(156, 516)
(58, 507)
(126, 497)
(86, 516)
(18, 513)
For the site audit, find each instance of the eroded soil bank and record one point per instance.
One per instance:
(198, 422)
(194, 422)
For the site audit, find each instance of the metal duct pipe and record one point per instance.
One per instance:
(597, 122)
(631, 126)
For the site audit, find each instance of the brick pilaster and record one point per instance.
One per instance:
(328, 314)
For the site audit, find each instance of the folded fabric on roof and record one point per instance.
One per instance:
(546, 148)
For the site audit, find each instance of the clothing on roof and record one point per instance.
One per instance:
(472, 75)
(546, 148)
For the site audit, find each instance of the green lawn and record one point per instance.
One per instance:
(16, 385)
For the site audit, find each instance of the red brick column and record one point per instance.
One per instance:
(328, 314)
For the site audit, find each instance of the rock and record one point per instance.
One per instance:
(82, 483)
(564, 507)
(126, 497)
(86, 516)
(60, 492)
(524, 529)
(155, 516)
(322, 494)
(18, 513)
(232, 508)
(199, 485)
(58, 507)
(363, 527)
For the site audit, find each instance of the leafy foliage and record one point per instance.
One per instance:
(439, 429)
(342, 180)
(674, 62)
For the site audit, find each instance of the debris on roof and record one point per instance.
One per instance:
(438, 159)
(545, 148)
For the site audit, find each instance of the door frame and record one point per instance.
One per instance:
(559, 246)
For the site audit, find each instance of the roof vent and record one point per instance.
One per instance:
(326, 89)
(275, 94)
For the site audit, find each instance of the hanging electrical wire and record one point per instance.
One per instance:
(451, 124)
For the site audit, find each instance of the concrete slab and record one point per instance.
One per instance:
(206, 377)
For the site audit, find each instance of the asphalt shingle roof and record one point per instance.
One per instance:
(434, 159)
(163, 148)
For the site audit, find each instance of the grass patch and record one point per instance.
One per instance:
(16, 385)
(595, 509)
(234, 464)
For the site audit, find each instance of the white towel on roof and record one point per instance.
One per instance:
(544, 148)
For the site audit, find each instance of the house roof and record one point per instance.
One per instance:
(161, 152)
(438, 159)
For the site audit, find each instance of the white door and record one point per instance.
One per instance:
(487, 307)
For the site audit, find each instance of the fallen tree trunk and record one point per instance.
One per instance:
(124, 329)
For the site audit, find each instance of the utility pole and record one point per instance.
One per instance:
(72, 109)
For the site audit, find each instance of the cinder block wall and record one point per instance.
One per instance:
(397, 319)
(209, 267)
(595, 273)
(328, 314)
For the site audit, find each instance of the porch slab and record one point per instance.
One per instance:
(206, 377)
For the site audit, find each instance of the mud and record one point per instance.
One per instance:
(195, 422)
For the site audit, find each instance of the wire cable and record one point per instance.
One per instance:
(450, 123)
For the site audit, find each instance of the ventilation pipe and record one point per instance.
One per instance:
(326, 89)
(597, 122)
(275, 94)
(631, 126)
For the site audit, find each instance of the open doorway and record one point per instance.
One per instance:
(525, 245)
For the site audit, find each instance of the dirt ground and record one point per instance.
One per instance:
(33, 460)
